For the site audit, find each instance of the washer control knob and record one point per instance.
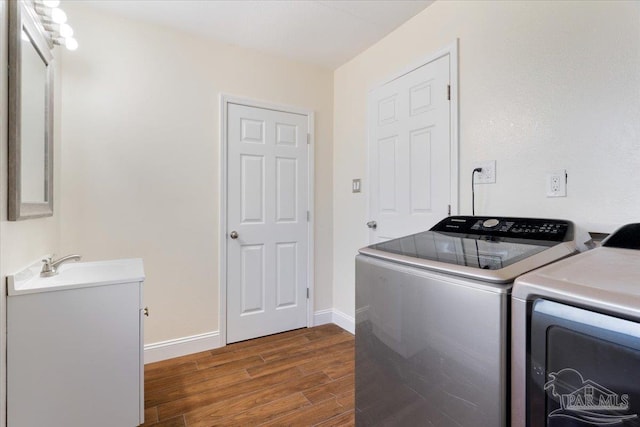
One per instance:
(490, 223)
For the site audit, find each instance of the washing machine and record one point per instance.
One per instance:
(576, 339)
(432, 318)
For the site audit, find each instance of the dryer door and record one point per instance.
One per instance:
(584, 368)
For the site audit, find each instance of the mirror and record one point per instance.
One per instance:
(30, 115)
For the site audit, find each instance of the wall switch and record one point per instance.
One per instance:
(355, 185)
(488, 173)
(557, 183)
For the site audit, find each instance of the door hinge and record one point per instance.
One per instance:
(308, 216)
(448, 92)
(448, 210)
(308, 138)
(307, 293)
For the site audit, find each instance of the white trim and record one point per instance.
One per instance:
(169, 349)
(323, 317)
(178, 347)
(222, 225)
(451, 50)
(311, 189)
(231, 99)
(454, 197)
(226, 99)
(345, 321)
(331, 315)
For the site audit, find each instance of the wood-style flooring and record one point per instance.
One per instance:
(298, 378)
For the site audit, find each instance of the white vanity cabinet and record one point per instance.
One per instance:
(75, 347)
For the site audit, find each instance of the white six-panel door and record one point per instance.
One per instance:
(267, 203)
(409, 152)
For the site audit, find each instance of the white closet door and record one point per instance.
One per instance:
(267, 240)
(409, 152)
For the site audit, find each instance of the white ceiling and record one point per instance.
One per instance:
(323, 32)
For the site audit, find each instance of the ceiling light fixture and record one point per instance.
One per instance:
(71, 43)
(65, 30)
(58, 16)
(54, 21)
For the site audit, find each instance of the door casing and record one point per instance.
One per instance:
(225, 100)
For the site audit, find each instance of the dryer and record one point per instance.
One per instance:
(576, 338)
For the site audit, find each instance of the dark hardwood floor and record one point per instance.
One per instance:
(298, 378)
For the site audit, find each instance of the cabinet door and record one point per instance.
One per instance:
(142, 313)
(74, 357)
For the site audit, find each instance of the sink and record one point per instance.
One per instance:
(75, 345)
(76, 275)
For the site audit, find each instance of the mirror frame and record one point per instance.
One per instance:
(22, 15)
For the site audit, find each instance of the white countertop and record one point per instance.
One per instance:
(73, 275)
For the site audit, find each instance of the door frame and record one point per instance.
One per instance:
(451, 50)
(225, 100)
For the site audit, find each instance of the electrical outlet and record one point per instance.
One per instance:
(557, 183)
(488, 173)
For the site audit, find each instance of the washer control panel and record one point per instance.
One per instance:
(555, 230)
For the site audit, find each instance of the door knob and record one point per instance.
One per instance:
(372, 224)
(233, 235)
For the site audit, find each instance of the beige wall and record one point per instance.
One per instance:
(141, 153)
(543, 86)
(21, 242)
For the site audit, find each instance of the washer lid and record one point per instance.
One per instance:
(492, 249)
(485, 260)
(478, 251)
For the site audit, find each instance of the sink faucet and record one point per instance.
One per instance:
(50, 267)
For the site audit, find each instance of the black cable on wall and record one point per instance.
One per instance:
(473, 191)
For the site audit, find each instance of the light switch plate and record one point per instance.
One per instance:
(355, 185)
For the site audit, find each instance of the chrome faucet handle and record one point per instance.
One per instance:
(47, 267)
(50, 267)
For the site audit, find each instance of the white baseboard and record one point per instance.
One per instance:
(345, 321)
(332, 315)
(322, 317)
(169, 349)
